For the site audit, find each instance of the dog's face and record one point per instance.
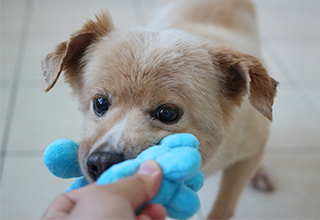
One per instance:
(137, 86)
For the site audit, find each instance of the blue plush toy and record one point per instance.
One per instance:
(177, 154)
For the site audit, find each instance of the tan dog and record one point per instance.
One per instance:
(195, 75)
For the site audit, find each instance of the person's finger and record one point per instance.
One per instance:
(59, 208)
(154, 211)
(97, 202)
(103, 201)
(143, 217)
(142, 186)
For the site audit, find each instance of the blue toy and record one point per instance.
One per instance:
(177, 154)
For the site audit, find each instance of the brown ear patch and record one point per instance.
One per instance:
(263, 88)
(67, 55)
(53, 65)
(244, 74)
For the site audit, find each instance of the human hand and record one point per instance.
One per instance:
(114, 201)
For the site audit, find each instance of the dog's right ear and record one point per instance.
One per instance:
(67, 56)
(244, 74)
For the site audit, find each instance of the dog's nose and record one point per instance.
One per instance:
(98, 162)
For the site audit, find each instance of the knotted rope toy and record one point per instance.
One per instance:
(177, 155)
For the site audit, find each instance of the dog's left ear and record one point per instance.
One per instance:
(67, 55)
(244, 74)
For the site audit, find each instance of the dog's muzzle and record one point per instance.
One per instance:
(98, 162)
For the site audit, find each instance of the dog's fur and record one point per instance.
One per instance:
(198, 59)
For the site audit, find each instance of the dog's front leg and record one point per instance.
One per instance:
(234, 178)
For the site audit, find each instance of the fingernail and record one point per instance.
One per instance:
(149, 167)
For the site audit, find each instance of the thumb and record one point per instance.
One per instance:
(142, 186)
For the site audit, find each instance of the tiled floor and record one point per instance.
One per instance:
(31, 119)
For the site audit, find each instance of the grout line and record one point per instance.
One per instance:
(292, 78)
(15, 83)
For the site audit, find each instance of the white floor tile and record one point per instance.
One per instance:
(40, 118)
(150, 8)
(68, 18)
(9, 52)
(41, 42)
(123, 17)
(12, 12)
(289, 18)
(28, 188)
(36, 51)
(315, 95)
(297, 195)
(46, 33)
(306, 68)
(294, 125)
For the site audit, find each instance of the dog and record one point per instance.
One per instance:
(198, 70)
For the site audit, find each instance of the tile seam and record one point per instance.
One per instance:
(15, 83)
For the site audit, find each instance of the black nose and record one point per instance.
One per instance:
(98, 162)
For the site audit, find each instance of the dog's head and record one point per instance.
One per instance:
(137, 86)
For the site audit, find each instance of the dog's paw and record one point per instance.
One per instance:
(262, 181)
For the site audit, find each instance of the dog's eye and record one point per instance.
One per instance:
(100, 105)
(168, 114)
